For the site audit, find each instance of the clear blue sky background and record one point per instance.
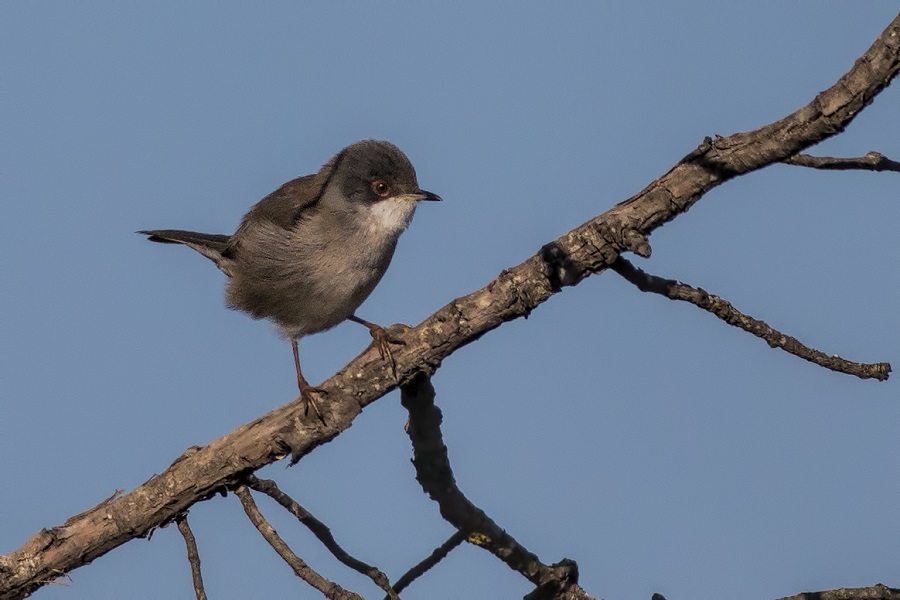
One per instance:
(659, 448)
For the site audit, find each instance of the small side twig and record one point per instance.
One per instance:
(321, 531)
(872, 161)
(434, 474)
(328, 588)
(723, 309)
(432, 559)
(193, 554)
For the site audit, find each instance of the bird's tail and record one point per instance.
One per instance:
(210, 245)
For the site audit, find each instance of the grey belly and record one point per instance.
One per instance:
(304, 305)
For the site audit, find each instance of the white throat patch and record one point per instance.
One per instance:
(391, 216)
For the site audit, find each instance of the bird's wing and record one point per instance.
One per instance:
(287, 204)
(282, 207)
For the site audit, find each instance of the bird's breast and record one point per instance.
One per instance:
(314, 276)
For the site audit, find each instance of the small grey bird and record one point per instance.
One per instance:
(308, 254)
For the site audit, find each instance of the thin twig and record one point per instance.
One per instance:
(193, 555)
(321, 531)
(434, 474)
(723, 309)
(432, 559)
(328, 588)
(872, 161)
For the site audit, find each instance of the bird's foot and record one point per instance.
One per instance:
(383, 338)
(308, 395)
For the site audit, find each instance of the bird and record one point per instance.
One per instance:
(307, 255)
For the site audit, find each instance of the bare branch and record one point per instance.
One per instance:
(517, 291)
(329, 589)
(432, 559)
(434, 474)
(321, 531)
(876, 592)
(723, 309)
(193, 555)
(872, 161)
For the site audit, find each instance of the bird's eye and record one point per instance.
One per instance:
(381, 187)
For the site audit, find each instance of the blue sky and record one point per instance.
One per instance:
(657, 447)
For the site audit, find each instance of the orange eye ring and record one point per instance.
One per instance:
(381, 187)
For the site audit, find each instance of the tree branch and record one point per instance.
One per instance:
(876, 592)
(329, 589)
(193, 555)
(321, 531)
(872, 161)
(514, 293)
(431, 560)
(434, 474)
(723, 309)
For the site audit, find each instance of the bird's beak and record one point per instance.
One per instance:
(423, 195)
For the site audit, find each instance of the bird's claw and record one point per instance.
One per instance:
(308, 397)
(383, 338)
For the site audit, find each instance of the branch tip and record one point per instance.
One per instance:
(723, 309)
(871, 161)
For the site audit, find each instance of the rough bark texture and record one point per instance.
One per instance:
(203, 471)
(876, 592)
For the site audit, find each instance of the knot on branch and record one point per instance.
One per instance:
(624, 237)
(704, 156)
(563, 575)
(559, 268)
(635, 241)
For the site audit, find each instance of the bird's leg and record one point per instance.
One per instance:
(383, 339)
(307, 392)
